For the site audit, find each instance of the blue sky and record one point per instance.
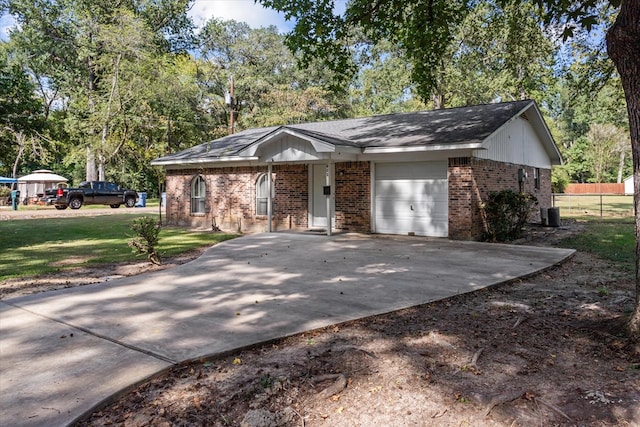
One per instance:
(202, 10)
(6, 22)
(240, 10)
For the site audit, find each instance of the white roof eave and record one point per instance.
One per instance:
(209, 160)
(409, 149)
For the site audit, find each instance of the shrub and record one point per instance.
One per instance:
(559, 179)
(506, 213)
(5, 192)
(147, 231)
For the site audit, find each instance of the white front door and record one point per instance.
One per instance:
(318, 208)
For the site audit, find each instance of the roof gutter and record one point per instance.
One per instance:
(202, 161)
(411, 149)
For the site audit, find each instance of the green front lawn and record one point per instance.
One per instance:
(45, 245)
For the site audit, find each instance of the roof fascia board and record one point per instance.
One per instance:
(382, 150)
(318, 145)
(541, 125)
(202, 161)
(347, 149)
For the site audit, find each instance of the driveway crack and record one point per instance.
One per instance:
(97, 335)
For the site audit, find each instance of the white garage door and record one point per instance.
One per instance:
(412, 198)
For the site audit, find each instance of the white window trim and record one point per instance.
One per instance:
(198, 201)
(259, 195)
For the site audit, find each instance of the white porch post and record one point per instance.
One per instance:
(328, 184)
(269, 187)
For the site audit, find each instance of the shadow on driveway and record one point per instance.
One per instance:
(64, 352)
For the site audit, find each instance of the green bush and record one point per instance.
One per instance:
(559, 179)
(5, 192)
(506, 213)
(147, 231)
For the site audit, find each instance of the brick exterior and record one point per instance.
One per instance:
(470, 182)
(230, 202)
(353, 196)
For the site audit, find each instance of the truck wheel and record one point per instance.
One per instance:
(130, 202)
(75, 203)
(115, 206)
(61, 208)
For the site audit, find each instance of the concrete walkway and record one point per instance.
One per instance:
(64, 352)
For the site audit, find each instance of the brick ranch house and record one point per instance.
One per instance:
(423, 173)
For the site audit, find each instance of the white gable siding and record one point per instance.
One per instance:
(289, 149)
(516, 143)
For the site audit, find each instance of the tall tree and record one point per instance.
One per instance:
(21, 114)
(78, 46)
(425, 28)
(605, 143)
(497, 53)
(623, 46)
(383, 84)
(269, 88)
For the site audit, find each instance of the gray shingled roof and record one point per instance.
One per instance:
(451, 126)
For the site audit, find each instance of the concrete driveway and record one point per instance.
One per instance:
(64, 352)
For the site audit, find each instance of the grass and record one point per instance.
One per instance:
(610, 238)
(36, 246)
(578, 205)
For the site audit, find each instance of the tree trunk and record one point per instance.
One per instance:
(20, 139)
(623, 46)
(105, 126)
(91, 172)
(621, 166)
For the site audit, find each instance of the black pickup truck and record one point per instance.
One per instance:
(91, 193)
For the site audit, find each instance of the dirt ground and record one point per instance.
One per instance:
(542, 351)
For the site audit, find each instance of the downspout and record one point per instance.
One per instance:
(328, 184)
(269, 187)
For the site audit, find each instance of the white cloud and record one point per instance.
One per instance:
(6, 24)
(203, 10)
(238, 10)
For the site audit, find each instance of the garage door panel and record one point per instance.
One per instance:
(410, 171)
(419, 226)
(390, 208)
(411, 189)
(412, 198)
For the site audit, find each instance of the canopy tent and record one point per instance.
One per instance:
(35, 183)
(5, 180)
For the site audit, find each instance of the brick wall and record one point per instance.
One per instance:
(470, 182)
(230, 196)
(230, 201)
(353, 196)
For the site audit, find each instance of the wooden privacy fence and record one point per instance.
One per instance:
(596, 188)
